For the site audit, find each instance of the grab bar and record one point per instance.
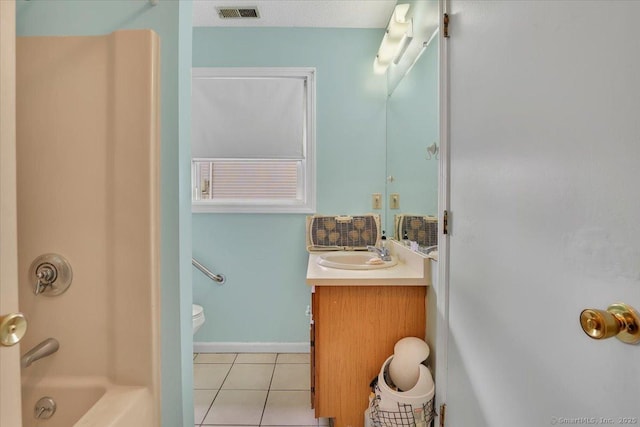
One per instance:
(215, 277)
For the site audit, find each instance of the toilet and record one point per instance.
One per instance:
(198, 317)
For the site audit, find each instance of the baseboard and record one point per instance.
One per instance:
(251, 347)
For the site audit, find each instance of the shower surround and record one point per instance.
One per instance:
(88, 189)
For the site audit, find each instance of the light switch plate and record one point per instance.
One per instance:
(394, 201)
(376, 201)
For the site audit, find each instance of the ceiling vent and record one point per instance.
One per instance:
(235, 12)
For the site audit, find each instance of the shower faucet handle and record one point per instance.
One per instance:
(46, 274)
(50, 275)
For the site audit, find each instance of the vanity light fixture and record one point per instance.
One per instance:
(395, 40)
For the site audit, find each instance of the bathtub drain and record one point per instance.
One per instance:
(45, 408)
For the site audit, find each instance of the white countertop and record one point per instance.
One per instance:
(413, 269)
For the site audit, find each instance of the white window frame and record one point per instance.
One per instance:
(307, 201)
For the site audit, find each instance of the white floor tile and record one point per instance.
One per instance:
(249, 377)
(202, 400)
(293, 358)
(215, 358)
(289, 376)
(237, 407)
(286, 408)
(209, 376)
(256, 358)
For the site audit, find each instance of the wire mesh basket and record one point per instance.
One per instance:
(410, 415)
(390, 407)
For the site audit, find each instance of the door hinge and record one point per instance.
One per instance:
(443, 412)
(445, 25)
(445, 222)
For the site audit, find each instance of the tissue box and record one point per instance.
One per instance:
(339, 233)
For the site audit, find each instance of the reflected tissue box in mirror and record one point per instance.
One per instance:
(422, 229)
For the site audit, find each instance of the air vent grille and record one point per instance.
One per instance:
(234, 12)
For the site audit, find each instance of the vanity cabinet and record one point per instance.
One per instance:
(353, 332)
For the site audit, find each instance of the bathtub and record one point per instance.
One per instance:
(89, 402)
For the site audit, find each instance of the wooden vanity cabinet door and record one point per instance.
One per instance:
(355, 329)
(313, 352)
(312, 364)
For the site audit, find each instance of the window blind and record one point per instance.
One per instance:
(248, 117)
(238, 180)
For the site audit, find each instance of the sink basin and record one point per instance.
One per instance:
(355, 261)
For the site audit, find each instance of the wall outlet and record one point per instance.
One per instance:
(307, 312)
(394, 201)
(376, 201)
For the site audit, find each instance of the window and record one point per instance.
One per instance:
(253, 140)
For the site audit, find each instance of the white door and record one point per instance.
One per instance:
(545, 211)
(10, 412)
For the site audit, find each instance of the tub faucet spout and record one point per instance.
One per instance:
(44, 349)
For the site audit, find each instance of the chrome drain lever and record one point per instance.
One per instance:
(45, 408)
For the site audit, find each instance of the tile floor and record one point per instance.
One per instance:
(251, 389)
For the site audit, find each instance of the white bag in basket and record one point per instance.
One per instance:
(413, 408)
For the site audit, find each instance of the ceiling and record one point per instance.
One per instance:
(297, 13)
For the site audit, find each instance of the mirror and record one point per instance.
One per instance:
(388, 136)
(352, 151)
(412, 125)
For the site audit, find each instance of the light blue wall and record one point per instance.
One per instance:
(412, 125)
(264, 255)
(184, 289)
(172, 21)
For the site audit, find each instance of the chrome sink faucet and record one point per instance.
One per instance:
(44, 349)
(383, 252)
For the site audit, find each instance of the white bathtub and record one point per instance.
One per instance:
(88, 402)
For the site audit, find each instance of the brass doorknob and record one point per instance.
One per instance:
(619, 320)
(12, 328)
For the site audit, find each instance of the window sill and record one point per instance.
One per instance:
(204, 207)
